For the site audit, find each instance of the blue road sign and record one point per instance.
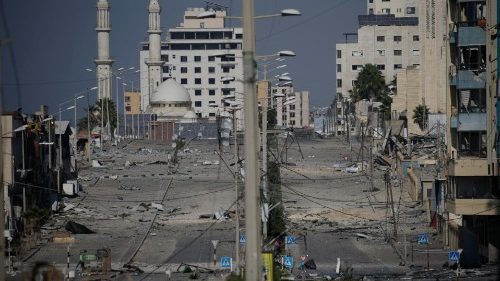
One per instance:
(290, 239)
(225, 262)
(288, 262)
(454, 256)
(423, 239)
(243, 239)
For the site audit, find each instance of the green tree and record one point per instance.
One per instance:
(370, 84)
(385, 108)
(420, 115)
(101, 106)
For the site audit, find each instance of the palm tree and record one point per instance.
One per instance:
(95, 115)
(369, 84)
(420, 114)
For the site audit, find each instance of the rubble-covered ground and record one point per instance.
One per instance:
(155, 217)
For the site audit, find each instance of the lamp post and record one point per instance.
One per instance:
(252, 210)
(22, 129)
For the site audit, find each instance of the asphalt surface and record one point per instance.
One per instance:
(333, 214)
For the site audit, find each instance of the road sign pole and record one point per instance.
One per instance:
(428, 264)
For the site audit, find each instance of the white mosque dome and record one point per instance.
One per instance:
(169, 91)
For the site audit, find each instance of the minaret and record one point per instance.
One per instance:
(154, 62)
(103, 61)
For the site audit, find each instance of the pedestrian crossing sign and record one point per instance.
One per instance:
(423, 239)
(243, 239)
(290, 239)
(454, 256)
(288, 262)
(225, 262)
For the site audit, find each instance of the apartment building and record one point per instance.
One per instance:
(472, 196)
(292, 110)
(389, 41)
(191, 54)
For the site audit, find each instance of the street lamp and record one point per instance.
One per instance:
(60, 149)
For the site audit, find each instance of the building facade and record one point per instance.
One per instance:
(472, 204)
(204, 56)
(386, 41)
(132, 103)
(292, 110)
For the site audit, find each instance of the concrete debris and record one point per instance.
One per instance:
(129, 164)
(157, 206)
(96, 164)
(124, 187)
(68, 206)
(77, 228)
(158, 162)
(114, 177)
(206, 216)
(361, 235)
(140, 208)
(62, 237)
(208, 162)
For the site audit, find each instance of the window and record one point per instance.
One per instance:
(184, 58)
(211, 92)
(292, 114)
(197, 81)
(416, 65)
(184, 70)
(128, 108)
(386, 11)
(386, 0)
(398, 66)
(339, 83)
(370, 1)
(127, 99)
(381, 52)
(197, 58)
(197, 70)
(339, 68)
(184, 81)
(416, 52)
(356, 67)
(164, 58)
(211, 114)
(226, 69)
(410, 10)
(370, 11)
(398, 52)
(339, 54)
(397, 38)
(353, 83)
(197, 92)
(211, 102)
(381, 66)
(380, 38)
(357, 53)
(211, 69)
(211, 80)
(416, 38)
(197, 104)
(211, 58)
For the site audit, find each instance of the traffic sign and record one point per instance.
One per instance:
(423, 239)
(290, 239)
(243, 239)
(288, 262)
(454, 256)
(225, 262)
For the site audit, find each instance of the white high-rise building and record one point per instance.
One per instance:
(389, 41)
(188, 54)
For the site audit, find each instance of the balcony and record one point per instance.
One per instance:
(469, 122)
(482, 207)
(467, 167)
(470, 36)
(469, 79)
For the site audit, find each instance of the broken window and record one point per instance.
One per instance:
(473, 58)
(472, 144)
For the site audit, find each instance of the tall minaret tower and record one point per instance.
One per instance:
(103, 61)
(154, 62)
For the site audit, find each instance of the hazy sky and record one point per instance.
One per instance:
(54, 41)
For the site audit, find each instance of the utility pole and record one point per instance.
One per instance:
(89, 136)
(236, 191)
(252, 210)
(2, 215)
(370, 150)
(264, 163)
